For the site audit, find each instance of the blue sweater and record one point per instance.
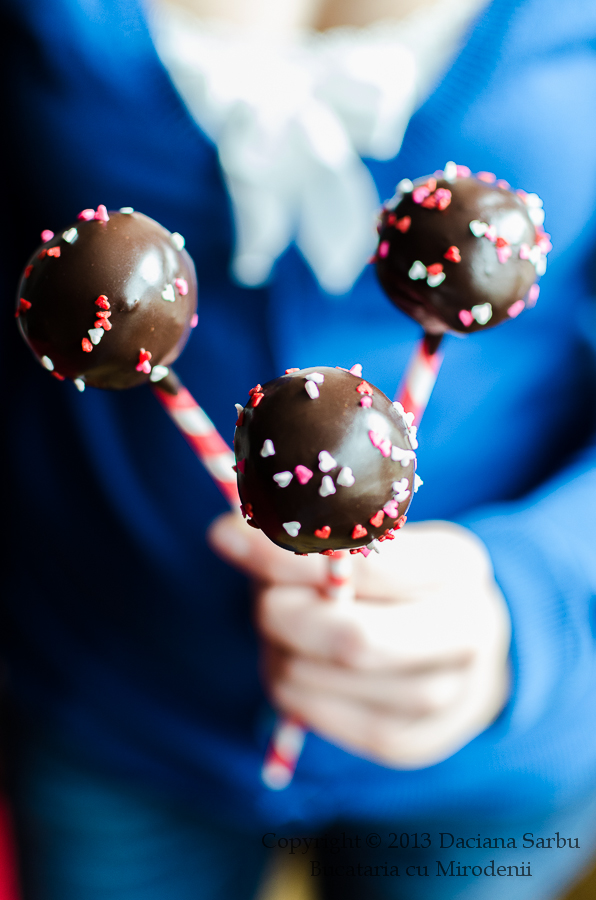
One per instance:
(124, 635)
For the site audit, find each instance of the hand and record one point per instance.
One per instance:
(408, 673)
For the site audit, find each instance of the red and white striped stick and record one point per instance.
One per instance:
(287, 739)
(417, 386)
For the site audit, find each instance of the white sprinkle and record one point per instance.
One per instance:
(409, 417)
(374, 545)
(436, 280)
(267, 449)
(317, 377)
(418, 482)
(292, 528)
(158, 372)
(401, 490)
(535, 254)
(70, 235)
(239, 408)
(417, 271)
(405, 457)
(326, 461)
(168, 293)
(126, 210)
(536, 215)
(79, 384)
(96, 335)
(541, 266)
(450, 171)
(47, 363)
(346, 477)
(399, 408)
(283, 479)
(478, 228)
(533, 200)
(327, 486)
(405, 186)
(412, 431)
(177, 240)
(312, 390)
(483, 313)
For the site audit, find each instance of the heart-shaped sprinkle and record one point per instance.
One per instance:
(54, 251)
(504, 253)
(391, 509)
(311, 389)
(463, 172)
(420, 194)
(96, 335)
(377, 520)
(364, 388)
(256, 399)
(417, 270)
(267, 449)
(79, 384)
(402, 456)
(524, 251)
(317, 377)
(101, 215)
(487, 177)
(292, 528)
(346, 477)
(182, 286)
(283, 479)
(453, 254)
(383, 250)
(356, 370)
(103, 323)
(483, 313)
(303, 474)
(47, 235)
(403, 224)
(478, 228)
(366, 401)
(405, 186)
(418, 482)
(103, 302)
(375, 438)
(435, 280)
(177, 240)
(358, 532)
(323, 532)
(385, 447)
(86, 215)
(168, 293)
(24, 305)
(70, 235)
(450, 171)
(327, 487)
(326, 461)
(435, 268)
(465, 317)
(291, 371)
(491, 234)
(158, 372)
(400, 522)
(28, 271)
(47, 362)
(87, 345)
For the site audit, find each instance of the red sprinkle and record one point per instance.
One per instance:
(403, 224)
(87, 345)
(240, 419)
(57, 374)
(399, 523)
(103, 323)
(327, 552)
(435, 269)
(453, 254)
(240, 466)
(501, 242)
(144, 355)
(103, 314)
(103, 302)
(28, 271)
(24, 305)
(256, 399)
(364, 388)
(54, 251)
(102, 214)
(300, 554)
(358, 532)
(377, 519)
(291, 372)
(256, 390)
(355, 550)
(42, 254)
(323, 532)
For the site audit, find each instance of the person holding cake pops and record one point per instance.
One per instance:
(150, 637)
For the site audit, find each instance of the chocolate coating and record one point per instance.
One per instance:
(490, 282)
(297, 429)
(130, 259)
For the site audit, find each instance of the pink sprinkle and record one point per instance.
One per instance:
(503, 184)
(443, 198)
(491, 233)
(503, 254)
(463, 171)
(194, 321)
(241, 465)
(383, 249)
(516, 308)
(391, 509)
(533, 295)
(365, 551)
(302, 474)
(102, 214)
(544, 243)
(385, 448)
(182, 285)
(86, 215)
(375, 438)
(524, 251)
(356, 370)
(144, 367)
(465, 317)
(487, 177)
(420, 194)
(366, 401)
(47, 235)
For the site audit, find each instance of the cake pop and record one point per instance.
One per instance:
(461, 252)
(109, 301)
(325, 461)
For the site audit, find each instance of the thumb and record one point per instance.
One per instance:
(249, 550)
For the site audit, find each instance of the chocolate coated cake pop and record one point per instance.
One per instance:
(110, 301)
(325, 461)
(461, 252)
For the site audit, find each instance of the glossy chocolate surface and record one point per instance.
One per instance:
(298, 428)
(490, 283)
(134, 262)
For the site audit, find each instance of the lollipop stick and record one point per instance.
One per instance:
(287, 740)
(201, 434)
(417, 386)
